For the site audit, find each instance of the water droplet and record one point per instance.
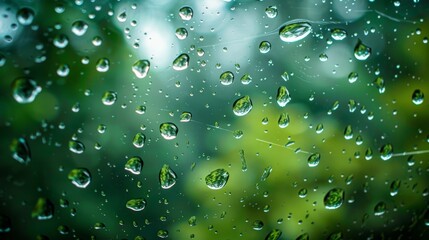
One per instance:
(20, 150)
(102, 65)
(109, 98)
(185, 117)
(334, 198)
(226, 78)
(285, 76)
(264, 47)
(380, 208)
(162, 233)
(186, 13)
(242, 106)
(168, 130)
(336, 236)
(394, 187)
(99, 226)
(303, 236)
(141, 68)
(257, 225)
(136, 204)
(181, 62)
(238, 134)
(338, 34)
(122, 17)
(368, 154)
(319, 128)
(43, 210)
(323, 57)
(79, 28)
(266, 173)
(271, 11)
(353, 77)
(418, 97)
(5, 224)
(80, 177)
(217, 179)
(25, 90)
(348, 132)
(313, 160)
(134, 165)
(139, 140)
(295, 31)
(167, 177)
(275, 234)
(76, 146)
(63, 70)
(181, 33)
(243, 161)
(140, 109)
(284, 120)
(246, 79)
(25, 16)
(283, 96)
(362, 52)
(386, 152)
(379, 84)
(302, 193)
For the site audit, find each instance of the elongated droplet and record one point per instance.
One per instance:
(379, 84)
(136, 204)
(243, 161)
(43, 210)
(134, 165)
(283, 96)
(275, 234)
(20, 150)
(80, 177)
(334, 198)
(139, 140)
(386, 152)
(141, 68)
(295, 31)
(303, 236)
(266, 173)
(313, 160)
(25, 90)
(284, 120)
(348, 132)
(167, 177)
(217, 179)
(394, 187)
(181, 62)
(242, 106)
(362, 52)
(380, 208)
(168, 130)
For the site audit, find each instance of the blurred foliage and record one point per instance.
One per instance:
(69, 126)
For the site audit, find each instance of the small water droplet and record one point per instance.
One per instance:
(394, 187)
(122, 17)
(162, 233)
(217, 179)
(417, 97)
(25, 90)
(264, 47)
(20, 150)
(182, 33)
(348, 132)
(284, 120)
(192, 221)
(136, 204)
(76, 146)
(271, 11)
(295, 31)
(334, 198)
(361, 51)
(185, 117)
(141, 68)
(386, 152)
(380, 208)
(167, 177)
(319, 128)
(338, 34)
(242, 106)
(226, 78)
(257, 225)
(285, 76)
(134, 165)
(79, 28)
(102, 65)
(43, 210)
(246, 79)
(109, 98)
(379, 84)
(168, 130)
(186, 13)
(80, 177)
(139, 140)
(313, 160)
(275, 234)
(266, 173)
(283, 96)
(353, 77)
(181, 62)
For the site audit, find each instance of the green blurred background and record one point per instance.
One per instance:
(221, 36)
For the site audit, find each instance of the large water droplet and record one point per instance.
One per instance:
(20, 150)
(181, 33)
(167, 177)
(242, 106)
(139, 140)
(284, 120)
(25, 16)
(295, 31)
(313, 160)
(76, 146)
(43, 210)
(386, 152)
(79, 28)
(334, 198)
(275, 234)
(134, 165)
(168, 130)
(109, 98)
(80, 177)
(283, 96)
(25, 90)
(141, 68)
(186, 13)
(264, 47)
(362, 52)
(417, 97)
(181, 62)
(226, 78)
(136, 204)
(217, 179)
